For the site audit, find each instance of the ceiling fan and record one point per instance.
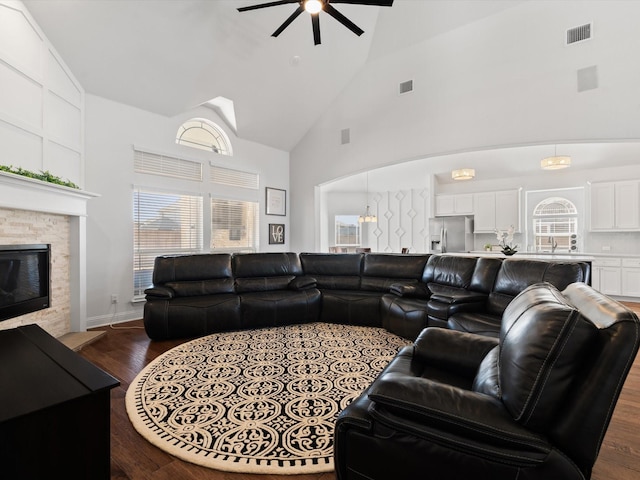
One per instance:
(314, 7)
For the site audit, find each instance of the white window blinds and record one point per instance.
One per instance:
(234, 225)
(145, 162)
(164, 223)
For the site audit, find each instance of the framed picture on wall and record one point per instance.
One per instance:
(276, 233)
(276, 201)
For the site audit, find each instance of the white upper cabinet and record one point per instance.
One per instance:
(461, 204)
(496, 211)
(615, 206)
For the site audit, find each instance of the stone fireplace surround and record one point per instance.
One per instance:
(32, 211)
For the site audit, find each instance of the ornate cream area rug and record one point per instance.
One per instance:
(258, 401)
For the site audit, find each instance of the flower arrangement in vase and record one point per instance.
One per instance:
(505, 240)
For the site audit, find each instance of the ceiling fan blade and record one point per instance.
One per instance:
(315, 22)
(265, 5)
(288, 21)
(343, 20)
(375, 3)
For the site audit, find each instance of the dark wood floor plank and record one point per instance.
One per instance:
(126, 349)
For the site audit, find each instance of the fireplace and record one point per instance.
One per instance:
(37, 212)
(24, 279)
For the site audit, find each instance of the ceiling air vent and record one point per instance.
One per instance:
(406, 87)
(579, 34)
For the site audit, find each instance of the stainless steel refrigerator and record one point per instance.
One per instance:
(451, 234)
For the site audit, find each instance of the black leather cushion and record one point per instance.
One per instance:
(449, 270)
(380, 271)
(192, 316)
(265, 264)
(263, 284)
(201, 287)
(484, 274)
(334, 271)
(543, 342)
(192, 268)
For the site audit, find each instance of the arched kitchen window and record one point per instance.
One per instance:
(555, 225)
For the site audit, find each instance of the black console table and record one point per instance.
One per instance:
(54, 409)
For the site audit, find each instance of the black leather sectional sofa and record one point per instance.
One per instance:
(520, 384)
(196, 295)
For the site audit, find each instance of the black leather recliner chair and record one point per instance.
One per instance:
(533, 404)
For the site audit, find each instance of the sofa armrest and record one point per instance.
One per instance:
(160, 292)
(411, 290)
(302, 283)
(471, 420)
(457, 350)
(458, 297)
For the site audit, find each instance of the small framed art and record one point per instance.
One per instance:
(276, 201)
(276, 233)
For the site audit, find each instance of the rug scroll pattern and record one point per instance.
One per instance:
(258, 401)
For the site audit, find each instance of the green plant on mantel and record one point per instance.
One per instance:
(45, 176)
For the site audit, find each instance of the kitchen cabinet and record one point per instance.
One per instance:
(461, 204)
(606, 275)
(615, 206)
(631, 277)
(496, 211)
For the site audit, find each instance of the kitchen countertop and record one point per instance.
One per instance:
(576, 257)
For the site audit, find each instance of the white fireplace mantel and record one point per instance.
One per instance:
(24, 193)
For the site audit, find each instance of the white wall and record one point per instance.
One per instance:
(112, 130)
(41, 102)
(505, 80)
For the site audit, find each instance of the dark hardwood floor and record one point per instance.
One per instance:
(126, 349)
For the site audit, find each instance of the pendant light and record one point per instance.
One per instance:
(367, 217)
(463, 174)
(556, 162)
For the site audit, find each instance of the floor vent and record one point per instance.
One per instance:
(579, 34)
(406, 87)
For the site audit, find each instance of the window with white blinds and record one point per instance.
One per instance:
(164, 223)
(233, 178)
(234, 225)
(155, 164)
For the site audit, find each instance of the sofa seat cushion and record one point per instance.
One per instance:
(279, 307)
(404, 316)
(185, 317)
(351, 307)
(478, 323)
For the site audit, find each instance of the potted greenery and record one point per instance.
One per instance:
(43, 176)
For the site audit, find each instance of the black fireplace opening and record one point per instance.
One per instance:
(24, 279)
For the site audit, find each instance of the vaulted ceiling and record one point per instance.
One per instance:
(168, 56)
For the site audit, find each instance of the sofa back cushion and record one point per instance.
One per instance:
(333, 271)
(261, 272)
(190, 275)
(544, 340)
(449, 270)
(380, 271)
(485, 274)
(515, 275)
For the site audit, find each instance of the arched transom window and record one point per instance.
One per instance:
(205, 135)
(555, 225)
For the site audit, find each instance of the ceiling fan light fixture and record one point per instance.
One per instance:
(463, 174)
(313, 6)
(556, 162)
